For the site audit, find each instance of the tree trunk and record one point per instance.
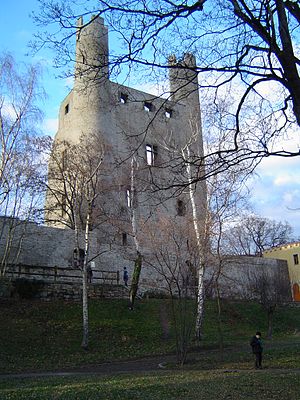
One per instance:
(200, 291)
(85, 313)
(138, 260)
(270, 312)
(220, 330)
(135, 279)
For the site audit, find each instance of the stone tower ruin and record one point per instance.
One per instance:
(133, 124)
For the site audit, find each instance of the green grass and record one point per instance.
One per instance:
(36, 336)
(192, 385)
(46, 336)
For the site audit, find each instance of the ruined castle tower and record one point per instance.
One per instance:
(131, 123)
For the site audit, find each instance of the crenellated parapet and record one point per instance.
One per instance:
(183, 79)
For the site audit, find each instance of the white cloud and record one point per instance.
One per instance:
(69, 82)
(287, 178)
(50, 126)
(291, 198)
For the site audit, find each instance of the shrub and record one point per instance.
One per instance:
(28, 289)
(5, 287)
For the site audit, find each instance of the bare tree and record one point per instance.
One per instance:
(174, 260)
(271, 291)
(227, 197)
(253, 234)
(21, 163)
(73, 189)
(246, 50)
(135, 233)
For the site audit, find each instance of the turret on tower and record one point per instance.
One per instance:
(184, 79)
(91, 50)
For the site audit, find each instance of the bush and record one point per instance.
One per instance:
(27, 289)
(5, 287)
(155, 294)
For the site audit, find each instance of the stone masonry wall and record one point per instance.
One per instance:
(46, 249)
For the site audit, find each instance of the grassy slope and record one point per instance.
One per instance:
(39, 336)
(47, 335)
(178, 385)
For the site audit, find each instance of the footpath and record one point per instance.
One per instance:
(146, 364)
(108, 368)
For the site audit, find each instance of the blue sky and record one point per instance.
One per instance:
(276, 188)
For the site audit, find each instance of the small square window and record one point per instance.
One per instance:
(296, 259)
(148, 106)
(168, 113)
(123, 98)
(67, 108)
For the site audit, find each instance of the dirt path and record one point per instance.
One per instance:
(146, 364)
(109, 368)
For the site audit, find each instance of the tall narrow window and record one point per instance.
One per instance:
(67, 108)
(63, 206)
(296, 259)
(180, 208)
(64, 160)
(124, 239)
(128, 198)
(151, 154)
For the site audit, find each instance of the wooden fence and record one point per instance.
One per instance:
(61, 274)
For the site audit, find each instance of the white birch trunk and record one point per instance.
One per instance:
(138, 261)
(200, 288)
(132, 205)
(85, 313)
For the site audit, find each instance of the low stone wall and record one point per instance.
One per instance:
(52, 248)
(239, 277)
(32, 244)
(48, 291)
(74, 291)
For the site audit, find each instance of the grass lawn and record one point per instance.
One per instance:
(191, 385)
(37, 336)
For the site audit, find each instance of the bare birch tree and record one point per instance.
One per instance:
(271, 291)
(135, 234)
(253, 234)
(21, 163)
(174, 260)
(73, 189)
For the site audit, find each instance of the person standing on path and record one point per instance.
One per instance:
(125, 276)
(257, 349)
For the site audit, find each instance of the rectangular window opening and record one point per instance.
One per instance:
(151, 154)
(123, 98)
(124, 239)
(168, 113)
(67, 108)
(128, 198)
(296, 259)
(180, 208)
(63, 206)
(148, 106)
(64, 160)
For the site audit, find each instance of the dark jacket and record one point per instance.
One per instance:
(256, 345)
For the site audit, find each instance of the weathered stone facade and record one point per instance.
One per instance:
(46, 254)
(131, 122)
(239, 277)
